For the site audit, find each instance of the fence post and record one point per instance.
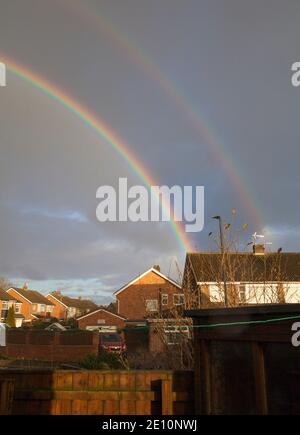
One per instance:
(260, 378)
(6, 396)
(167, 396)
(206, 376)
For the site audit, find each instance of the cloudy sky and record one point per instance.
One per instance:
(200, 91)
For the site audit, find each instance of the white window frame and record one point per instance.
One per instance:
(178, 295)
(4, 305)
(151, 301)
(166, 297)
(242, 291)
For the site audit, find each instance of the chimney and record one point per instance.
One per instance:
(79, 297)
(258, 249)
(157, 267)
(25, 286)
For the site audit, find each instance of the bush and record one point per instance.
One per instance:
(10, 319)
(104, 361)
(3, 357)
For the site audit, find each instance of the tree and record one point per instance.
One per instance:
(248, 278)
(5, 284)
(10, 319)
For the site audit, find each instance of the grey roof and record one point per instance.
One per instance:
(82, 304)
(4, 296)
(33, 296)
(245, 267)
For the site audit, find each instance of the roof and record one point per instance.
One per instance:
(245, 267)
(55, 325)
(32, 296)
(82, 304)
(231, 312)
(152, 269)
(4, 296)
(101, 309)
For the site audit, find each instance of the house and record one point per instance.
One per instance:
(66, 307)
(33, 304)
(251, 277)
(148, 295)
(7, 301)
(102, 320)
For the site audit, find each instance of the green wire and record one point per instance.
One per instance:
(214, 325)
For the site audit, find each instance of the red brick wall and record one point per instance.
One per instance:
(51, 346)
(132, 300)
(101, 318)
(26, 307)
(59, 310)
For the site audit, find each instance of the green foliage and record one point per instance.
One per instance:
(71, 323)
(39, 324)
(10, 319)
(104, 361)
(3, 357)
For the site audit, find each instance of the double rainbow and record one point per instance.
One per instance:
(90, 14)
(104, 131)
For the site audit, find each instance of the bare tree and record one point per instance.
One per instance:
(5, 284)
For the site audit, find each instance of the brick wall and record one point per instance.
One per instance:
(59, 311)
(101, 318)
(26, 307)
(69, 346)
(132, 300)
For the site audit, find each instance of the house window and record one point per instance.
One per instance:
(164, 299)
(17, 308)
(49, 308)
(178, 299)
(34, 307)
(3, 314)
(101, 321)
(4, 305)
(242, 294)
(152, 305)
(175, 334)
(42, 308)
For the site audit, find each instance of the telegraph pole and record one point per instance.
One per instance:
(223, 265)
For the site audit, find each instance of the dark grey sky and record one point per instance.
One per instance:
(230, 60)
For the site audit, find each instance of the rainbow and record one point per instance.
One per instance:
(99, 126)
(171, 89)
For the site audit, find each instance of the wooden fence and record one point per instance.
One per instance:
(6, 395)
(101, 392)
(245, 362)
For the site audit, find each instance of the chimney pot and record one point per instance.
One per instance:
(258, 249)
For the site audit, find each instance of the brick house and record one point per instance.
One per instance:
(33, 304)
(66, 307)
(7, 301)
(148, 295)
(101, 319)
(251, 277)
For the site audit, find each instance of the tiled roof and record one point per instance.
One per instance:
(82, 304)
(246, 267)
(33, 296)
(4, 296)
